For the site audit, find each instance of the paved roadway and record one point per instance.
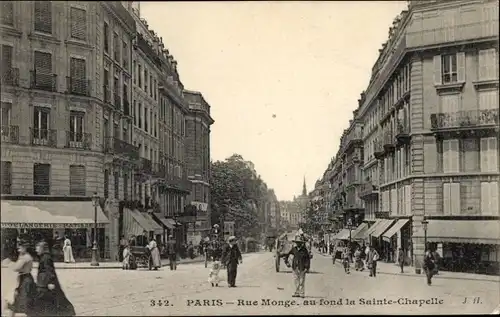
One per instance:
(328, 291)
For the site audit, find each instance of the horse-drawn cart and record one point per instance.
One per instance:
(140, 257)
(283, 248)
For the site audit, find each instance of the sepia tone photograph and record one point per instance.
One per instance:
(235, 158)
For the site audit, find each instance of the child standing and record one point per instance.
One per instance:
(346, 259)
(213, 277)
(126, 257)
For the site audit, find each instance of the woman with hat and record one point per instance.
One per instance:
(25, 292)
(232, 257)
(50, 299)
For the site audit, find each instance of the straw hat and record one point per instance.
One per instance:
(298, 238)
(232, 238)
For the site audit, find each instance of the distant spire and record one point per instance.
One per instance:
(304, 189)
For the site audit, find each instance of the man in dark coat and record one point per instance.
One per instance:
(300, 265)
(50, 299)
(172, 252)
(231, 258)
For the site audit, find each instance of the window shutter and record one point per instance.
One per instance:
(7, 12)
(447, 156)
(77, 180)
(493, 199)
(461, 67)
(6, 57)
(6, 176)
(78, 23)
(437, 70)
(43, 62)
(77, 68)
(455, 199)
(484, 154)
(470, 152)
(492, 154)
(43, 16)
(41, 179)
(446, 199)
(454, 156)
(483, 64)
(408, 200)
(485, 199)
(394, 201)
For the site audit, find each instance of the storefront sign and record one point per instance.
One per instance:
(19, 225)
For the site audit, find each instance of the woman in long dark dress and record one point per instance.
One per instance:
(25, 292)
(50, 299)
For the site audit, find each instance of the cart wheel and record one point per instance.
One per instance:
(277, 263)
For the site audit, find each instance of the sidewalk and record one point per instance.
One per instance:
(393, 269)
(105, 265)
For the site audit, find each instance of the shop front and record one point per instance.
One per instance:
(398, 236)
(135, 223)
(385, 250)
(471, 246)
(53, 221)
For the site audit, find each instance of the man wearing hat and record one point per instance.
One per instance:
(300, 265)
(232, 257)
(172, 252)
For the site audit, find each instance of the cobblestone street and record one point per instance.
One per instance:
(328, 289)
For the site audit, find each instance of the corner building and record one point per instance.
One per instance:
(432, 108)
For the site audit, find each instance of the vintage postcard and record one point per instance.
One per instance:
(249, 158)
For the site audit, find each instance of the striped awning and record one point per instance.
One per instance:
(394, 229)
(382, 228)
(134, 223)
(50, 214)
(462, 231)
(359, 232)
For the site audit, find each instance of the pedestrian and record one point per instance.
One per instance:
(25, 292)
(68, 251)
(372, 258)
(123, 243)
(401, 259)
(50, 299)
(334, 255)
(213, 277)
(429, 266)
(366, 251)
(345, 260)
(172, 252)
(300, 265)
(232, 257)
(358, 263)
(155, 254)
(126, 258)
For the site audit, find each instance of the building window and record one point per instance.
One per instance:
(41, 117)
(77, 180)
(134, 70)
(76, 120)
(155, 90)
(7, 13)
(6, 175)
(134, 113)
(106, 37)
(146, 77)
(116, 176)
(43, 16)
(78, 75)
(470, 155)
(489, 154)
(43, 70)
(139, 75)
(488, 64)
(140, 115)
(451, 202)
(450, 103)
(125, 186)
(78, 19)
(449, 68)
(41, 179)
(116, 47)
(146, 117)
(125, 133)
(151, 86)
(488, 99)
(6, 55)
(125, 55)
(489, 198)
(106, 184)
(154, 127)
(450, 156)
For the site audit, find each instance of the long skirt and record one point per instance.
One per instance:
(24, 295)
(155, 258)
(52, 303)
(68, 254)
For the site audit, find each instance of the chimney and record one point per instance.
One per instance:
(174, 64)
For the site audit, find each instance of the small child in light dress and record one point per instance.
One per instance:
(126, 258)
(213, 277)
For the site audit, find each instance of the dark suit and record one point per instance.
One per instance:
(172, 254)
(232, 257)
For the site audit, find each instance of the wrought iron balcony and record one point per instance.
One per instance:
(76, 140)
(7, 189)
(43, 81)
(116, 146)
(144, 46)
(465, 119)
(388, 141)
(77, 86)
(107, 94)
(178, 182)
(10, 76)
(378, 150)
(10, 134)
(402, 133)
(368, 190)
(41, 189)
(117, 100)
(43, 137)
(126, 107)
(159, 170)
(145, 166)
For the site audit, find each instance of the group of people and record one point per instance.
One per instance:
(43, 297)
(151, 247)
(363, 258)
(230, 258)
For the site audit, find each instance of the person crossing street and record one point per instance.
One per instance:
(300, 264)
(232, 257)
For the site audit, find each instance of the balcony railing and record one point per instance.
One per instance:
(402, 133)
(368, 190)
(10, 134)
(464, 119)
(43, 81)
(117, 100)
(107, 94)
(178, 182)
(378, 151)
(159, 170)
(117, 146)
(43, 137)
(78, 86)
(148, 50)
(388, 140)
(76, 140)
(145, 166)
(10, 76)
(41, 189)
(126, 107)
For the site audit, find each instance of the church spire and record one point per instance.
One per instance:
(304, 189)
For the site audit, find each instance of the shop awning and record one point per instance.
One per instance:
(462, 231)
(157, 229)
(374, 227)
(167, 222)
(342, 235)
(50, 214)
(382, 228)
(134, 223)
(394, 229)
(359, 232)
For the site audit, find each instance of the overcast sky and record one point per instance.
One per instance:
(282, 78)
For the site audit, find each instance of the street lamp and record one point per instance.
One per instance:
(349, 226)
(95, 202)
(424, 225)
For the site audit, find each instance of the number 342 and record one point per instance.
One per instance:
(159, 302)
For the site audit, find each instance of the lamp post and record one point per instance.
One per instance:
(349, 226)
(95, 202)
(424, 225)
